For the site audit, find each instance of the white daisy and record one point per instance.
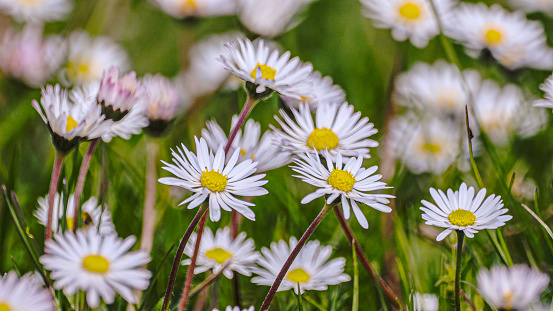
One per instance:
(36, 11)
(547, 87)
(350, 182)
(207, 175)
(23, 294)
(530, 6)
(94, 217)
(270, 18)
(461, 210)
(163, 102)
(267, 154)
(336, 127)
(425, 302)
(511, 288)
(266, 69)
(511, 38)
(310, 269)
(118, 95)
(408, 19)
(324, 91)
(88, 58)
(99, 265)
(230, 308)
(216, 251)
(196, 8)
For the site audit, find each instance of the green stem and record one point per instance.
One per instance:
(355, 303)
(460, 237)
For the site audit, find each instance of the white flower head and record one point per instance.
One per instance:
(162, 97)
(349, 182)
(511, 288)
(196, 8)
(547, 87)
(208, 176)
(118, 95)
(268, 69)
(461, 210)
(324, 91)
(425, 302)
(335, 127)
(101, 266)
(216, 251)
(230, 308)
(24, 294)
(36, 11)
(311, 269)
(530, 6)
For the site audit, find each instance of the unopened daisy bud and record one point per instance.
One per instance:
(36, 11)
(196, 8)
(118, 96)
(24, 294)
(162, 103)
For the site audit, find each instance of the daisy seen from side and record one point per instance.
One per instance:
(36, 11)
(196, 8)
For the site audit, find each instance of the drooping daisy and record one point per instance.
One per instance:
(530, 6)
(408, 19)
(511, 288)
(94, 217)
(101, 266)
(350, 182)
(230, 308)
(196, 8)
(270, 18)
(23, 294)
(216, 251)
(425, 302)
(324, 91)
(461, 210)
(311, 269)
(208, 176)
(511, 38)
(268, 69)
(163, 103)
(336, 127)
(264, 151)
(36, 11)
(88, 58)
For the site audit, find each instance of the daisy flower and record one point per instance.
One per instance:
(216, 251)
(336, 127)
(196, 8)
(207, 175)
(461, 210)
(324, 91)
(311, 269)
(36, 11)
(24, 294)
(547, 87)
(530, 6)
(101, 266)
(425, 302)
(268, 69)
(230, 308)
(511, 288)
(94, 216)
(118, 96)
(267, 154)
(408, 19)
(162, 101)
(350, 182)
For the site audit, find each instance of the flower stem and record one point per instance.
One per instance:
(149, 213)
(293, 255)
(190, 272)
(51, 195)
(81, 179)
(460, 237)
(364, 260)
(248, 107)
(178, 256)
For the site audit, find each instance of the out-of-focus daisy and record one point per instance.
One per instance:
(311, 269)
(269, 18)
(162, 102)
(408, 19)
(529, 6)
(230, 308)
(101, 266)
(324, 91)
(547, 87)
(196, 8)
(216, 251)
(268, 69)
(30, 56)
(267, 154)
(336, 127)
(425, 302)
(24, 294)
(350, 182)
(36, 11)
(511, 38)
(207, 175)
(94, 217)
(511, 288)
(88, 58)
(461, 210)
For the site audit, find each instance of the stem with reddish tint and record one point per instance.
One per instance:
(81, 179)
(190, 272)
(304, 238)
(248, 107)
(52, 194)
(149, 213)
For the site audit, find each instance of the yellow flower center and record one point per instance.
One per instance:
(188, 7)
(75, 72)
(71, 124)
(298, 276)
(214, 181)
(4, 307)
(493, 37)
(431, 147)
(341, 180)
(70, 223)
(218, 254)
(243, 152)
(462, 218)
(322, 139)
(267, 72)
(96, 263)
(410, 11)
